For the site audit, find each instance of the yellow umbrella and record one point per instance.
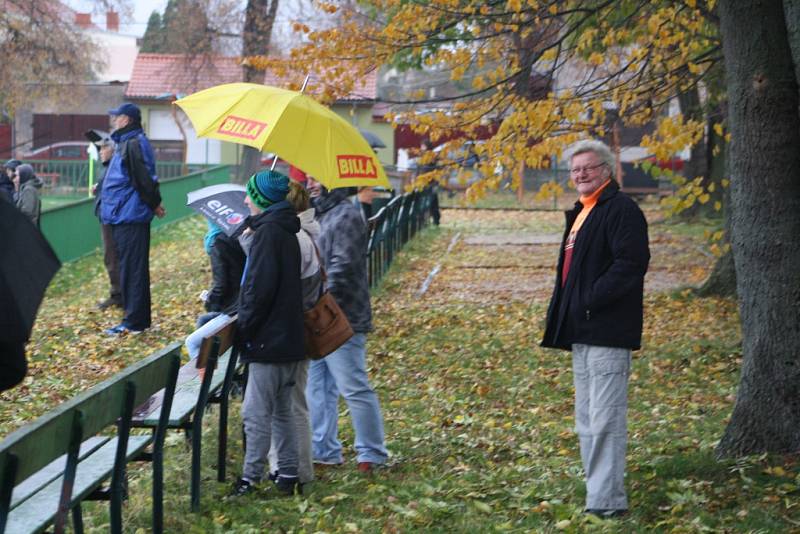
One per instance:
(296, 127)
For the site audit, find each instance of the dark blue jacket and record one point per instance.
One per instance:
(130, 187)
(270, 319)
(601, 302)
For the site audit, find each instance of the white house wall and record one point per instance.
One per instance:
(162, 127)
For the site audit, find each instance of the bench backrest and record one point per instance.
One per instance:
(35, 445)
(225, 334)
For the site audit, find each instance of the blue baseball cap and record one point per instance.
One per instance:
(131, 110)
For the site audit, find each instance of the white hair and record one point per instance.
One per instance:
(598, 148)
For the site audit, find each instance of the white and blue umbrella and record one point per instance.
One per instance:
(221, 204)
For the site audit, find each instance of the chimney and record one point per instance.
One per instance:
(112, 21)
(83, 20)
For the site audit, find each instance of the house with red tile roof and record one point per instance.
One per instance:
(160, 79)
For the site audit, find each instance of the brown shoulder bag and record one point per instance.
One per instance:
(326, 325)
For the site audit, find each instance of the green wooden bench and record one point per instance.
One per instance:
(50, 466)
(198, 386)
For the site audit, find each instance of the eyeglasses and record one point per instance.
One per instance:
(589, 168)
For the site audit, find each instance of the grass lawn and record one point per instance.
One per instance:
(478, 417)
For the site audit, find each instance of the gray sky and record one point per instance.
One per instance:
(288, 10)
(141, 12)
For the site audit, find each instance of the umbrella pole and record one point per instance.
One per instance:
(305, 82)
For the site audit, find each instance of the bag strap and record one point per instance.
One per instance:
(321, 268)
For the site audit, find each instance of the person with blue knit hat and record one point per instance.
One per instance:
(270, 332)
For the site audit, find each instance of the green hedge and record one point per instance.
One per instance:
(74, 231)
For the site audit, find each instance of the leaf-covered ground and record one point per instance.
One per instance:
(478, 417)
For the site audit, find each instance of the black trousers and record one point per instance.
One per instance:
(132, 242)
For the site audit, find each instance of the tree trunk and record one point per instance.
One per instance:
(692, 109)
(258, 21)
(765, 225)
(722, 280)
(701, 158)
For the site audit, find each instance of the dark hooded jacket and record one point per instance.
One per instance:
(343, 247)
(601, 302)
(227, 263)
(6, 187)
(28, 199)
(270, 319)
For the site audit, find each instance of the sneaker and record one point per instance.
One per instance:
(109, 302)
(605, 514)
(242, 487)
(121, 330)
(366, 467)
(289, 485)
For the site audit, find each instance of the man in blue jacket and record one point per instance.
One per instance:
(596, 312)
(128, 200)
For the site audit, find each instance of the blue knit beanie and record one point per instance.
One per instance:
(267, 187)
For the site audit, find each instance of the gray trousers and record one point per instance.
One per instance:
(302, 428)
(111, 261)
(601, 404)
(268, 400)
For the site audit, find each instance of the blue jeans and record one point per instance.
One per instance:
(344, 371)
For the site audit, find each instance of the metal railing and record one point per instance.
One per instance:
(71, 177)
(392, 227)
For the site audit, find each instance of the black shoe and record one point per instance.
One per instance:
(605, 514)
(109, 302)
(242, 487)
(289, 485)
(273, 477)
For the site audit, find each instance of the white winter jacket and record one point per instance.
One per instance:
(309, 229)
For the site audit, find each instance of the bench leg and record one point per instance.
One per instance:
(158, 490)
(195, 483)
(77, 519)
(222, 449)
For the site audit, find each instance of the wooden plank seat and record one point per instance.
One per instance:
(47, 468)
(199, 385)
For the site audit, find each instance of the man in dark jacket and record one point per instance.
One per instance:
(6, 180)
(596, 311)
(28, 197)
(343, 248)
(128, 200)
(270, 331)
(110, 259)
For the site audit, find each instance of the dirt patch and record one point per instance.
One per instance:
(513, 239)
(520, 266)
